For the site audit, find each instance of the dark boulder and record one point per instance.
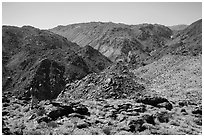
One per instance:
(155, 101)
(81, 109)
(82, 124)
(183, 103)
(148, 118)
(6, 131)
(163, 116)
(166, 105)
(43, 119)
(77, 115)
(136, 125)
(48, 80)
(197, 110)
(60, 111)
(4, 113)
(183, 110)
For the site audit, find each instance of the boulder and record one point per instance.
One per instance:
(163, 116)
(155, 101)
(166, 105)
(43, 119)
(136, 125)
(82, 124)
(81, 109)
(4, 113)
(77, 115)
(48, 80)
(60, 111)
(148, 118)
(197, 110)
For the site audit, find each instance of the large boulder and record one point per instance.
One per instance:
(48, 80)
(155, 101)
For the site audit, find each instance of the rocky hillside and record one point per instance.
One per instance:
(114, 82)
(187, 41)
(177, 77)
(45, 61)
(117, 41)
(81, 92)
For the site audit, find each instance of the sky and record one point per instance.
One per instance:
(45, 15)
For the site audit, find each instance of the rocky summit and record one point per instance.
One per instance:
(102, 79)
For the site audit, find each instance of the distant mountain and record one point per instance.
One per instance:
(178, 27)
(31, 56)
(117, 41)
(42, 60)
(187, 41)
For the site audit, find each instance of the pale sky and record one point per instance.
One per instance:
(51, 14)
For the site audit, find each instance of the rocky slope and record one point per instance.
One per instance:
(187, 41)
(117, 41)
(176, 77)
(91, 97)
(42, 60)
(103, 117)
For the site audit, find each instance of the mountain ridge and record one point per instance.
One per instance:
(27, 49)
(110, 37)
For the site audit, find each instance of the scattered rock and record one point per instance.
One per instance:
(123, 132)
(121, 117)
(107, 130)
(52, 124)
(33, 116)
(174, 122)
(183, 103)
(81, 109)
(4, 113)
(163, 116)
(5, 104)
(197, 110)
(82, 124)
(139, 109)
(132, 113)
(148, 126)
(125, 106)
(5, 100)
(148, 118)
(76, 115)
(152, 100)
(183, 110)
(6, 131)
(166, 105)
(123, 126)
(198, 121)
(136, 125)
(44, 119)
